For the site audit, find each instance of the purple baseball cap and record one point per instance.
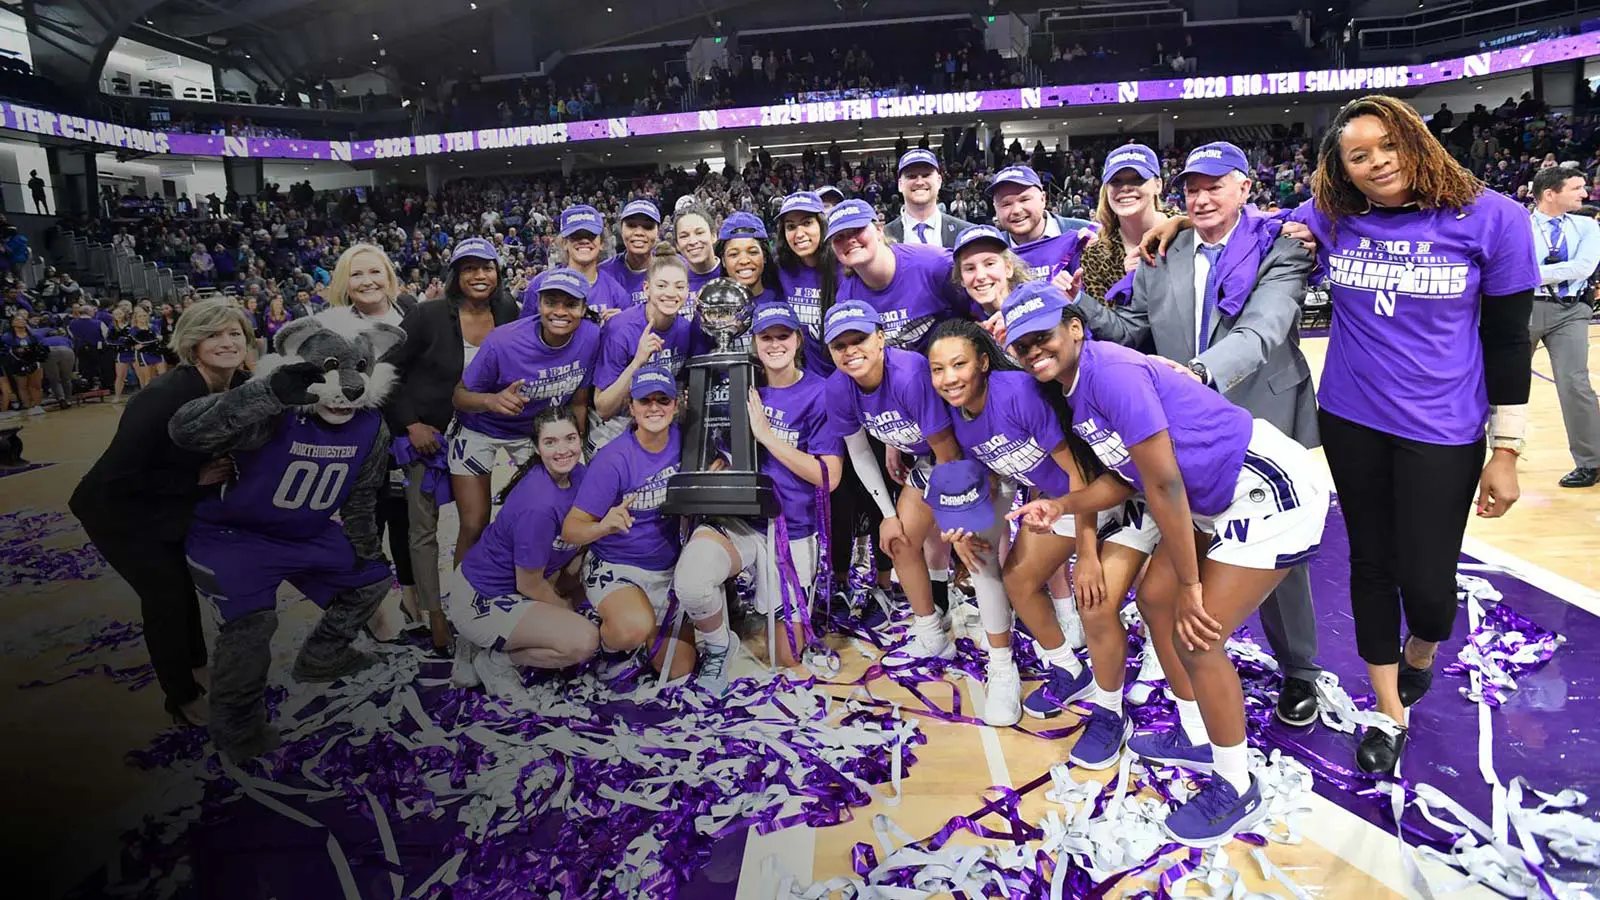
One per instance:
(849, 215)
(1032, 308)
(644, 208)
(827, 189)
(958, 494)
(653, 380)
(919, 155)
(1137, 157)
(582, 218)
(852, 315)
(1022, 176)
(1215, 158)
(567, 280)
(977, 233)
(772, 315)
(474, 248)
(742, 225)
(801, 201)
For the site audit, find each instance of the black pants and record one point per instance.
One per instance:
(392, 514)
(158, 572)
(1405, 507)
(854, 513)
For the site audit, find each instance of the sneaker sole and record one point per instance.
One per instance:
(998, 723)
(1098, 765)
(1250, 821)
(1204, 768)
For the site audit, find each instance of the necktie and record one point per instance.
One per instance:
(1558, 251)
(922, 230)
(1208, 301)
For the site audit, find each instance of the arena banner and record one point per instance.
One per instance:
(1377, 78)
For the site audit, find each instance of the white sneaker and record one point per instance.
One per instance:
(1071, 622)
(1148, 681)
(462, 672)
(498, 673)
(36, 411)
(922, 646)
(1002, 703)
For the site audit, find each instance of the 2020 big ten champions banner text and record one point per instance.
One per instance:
(1381, 78)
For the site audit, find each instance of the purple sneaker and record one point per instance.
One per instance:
(1171, 748)
(1216, 814)
(1060, 689)
(1101, 742)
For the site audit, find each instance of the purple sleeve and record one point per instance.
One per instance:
(483, 375)
(843, 416)
(602, 485)
(1126, 395)
(535, 533)
(820, 440)
(613, 356)
(591, 353)
(917, 395)
(1510, 265)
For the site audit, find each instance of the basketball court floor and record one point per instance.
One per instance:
(373, 799)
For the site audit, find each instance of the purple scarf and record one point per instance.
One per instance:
(1241, 259)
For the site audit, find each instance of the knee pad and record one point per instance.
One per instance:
(699, 576)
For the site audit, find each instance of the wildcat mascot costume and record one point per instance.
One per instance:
(307, 442)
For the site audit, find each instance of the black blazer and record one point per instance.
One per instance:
(144, 485)
(430, 362)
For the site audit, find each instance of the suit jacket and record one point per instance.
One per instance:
(430, 362)
(1254, 357)
(949, 228)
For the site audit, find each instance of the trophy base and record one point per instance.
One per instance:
(721, 494)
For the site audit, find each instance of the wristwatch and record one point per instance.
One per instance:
(1200, 371)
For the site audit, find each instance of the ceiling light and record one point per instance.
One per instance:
(472, 6)
(474, 49)
(374, 35)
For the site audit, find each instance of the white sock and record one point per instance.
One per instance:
(1194, 727)
(718, 639)
(1110, 701)
(1062, 657)
(1232, 764)
(929, 623)
(1066, 608)
(1001, 656)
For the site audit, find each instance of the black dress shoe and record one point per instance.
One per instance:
(1380, 751)
(1414, 683)
(1581, 478)
(1297, 702)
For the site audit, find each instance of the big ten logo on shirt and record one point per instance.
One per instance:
(1011, 457)
(1106, 444)
(554, 382)
(653, 492)
(807, 305)
(1395, 269)
(899, 330)
(894, 429)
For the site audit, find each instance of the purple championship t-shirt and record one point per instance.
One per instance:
(917, 298)
(1015, 434)
(633, 282)
(604, 293)
(1404, 355)
(696, 282)
(1122, 397)
(619, 339)
(1048, 256)
(293, 485)
(802, 290)
(623, 467)
(903, 412)
(551, 376)
(525, 534)
(798, 414)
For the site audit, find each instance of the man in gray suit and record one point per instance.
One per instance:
(920, 221)
(1231, 320)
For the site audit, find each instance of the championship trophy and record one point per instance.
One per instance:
(724, 311)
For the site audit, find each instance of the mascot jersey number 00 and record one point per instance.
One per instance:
(307, 441)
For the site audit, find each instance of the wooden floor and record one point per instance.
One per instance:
(66, 743)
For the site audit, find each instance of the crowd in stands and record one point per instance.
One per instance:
(276, 251)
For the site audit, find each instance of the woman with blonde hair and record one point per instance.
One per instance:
(136, 501)
(364, 279)
(145, 342)
(1130, 205)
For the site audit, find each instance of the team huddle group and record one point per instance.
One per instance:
(1155, 417)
